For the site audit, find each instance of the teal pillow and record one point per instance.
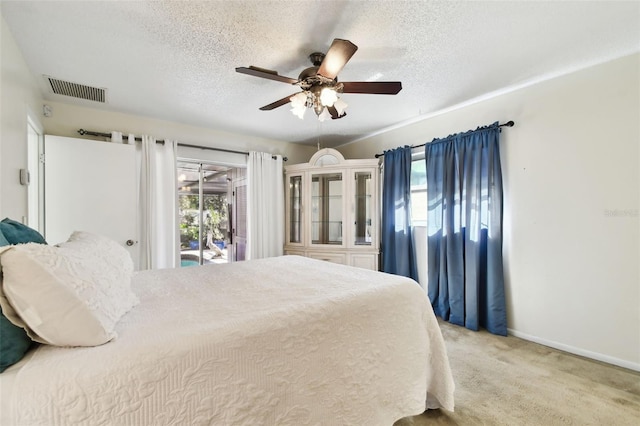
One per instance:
(3, 240)
(17, 233)
(14, 341)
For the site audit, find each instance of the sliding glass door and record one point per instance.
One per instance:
(204, 205)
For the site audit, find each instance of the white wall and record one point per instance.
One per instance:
(18, 96)
(67, 119)
(571, 226)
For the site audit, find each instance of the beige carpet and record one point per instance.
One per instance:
(509, 381)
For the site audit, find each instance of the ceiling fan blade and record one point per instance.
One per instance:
(265, 73)
(372, 87)
(278, 103)
(338, 55)
(334, 113)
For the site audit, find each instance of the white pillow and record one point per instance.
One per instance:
(72, 294)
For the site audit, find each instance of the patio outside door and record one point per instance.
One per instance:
(204, 207)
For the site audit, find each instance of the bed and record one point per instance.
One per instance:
(280, 341)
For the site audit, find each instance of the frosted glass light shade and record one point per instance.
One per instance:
(340, 106)
(324, 115)
(298, 104)
(328, 97)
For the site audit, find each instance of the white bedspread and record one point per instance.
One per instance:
(281, 341)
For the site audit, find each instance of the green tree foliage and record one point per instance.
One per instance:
(214, 213)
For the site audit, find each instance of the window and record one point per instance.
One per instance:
(418, 190)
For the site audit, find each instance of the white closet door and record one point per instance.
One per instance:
(91, 186)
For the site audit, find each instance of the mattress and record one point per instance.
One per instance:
(279, 341)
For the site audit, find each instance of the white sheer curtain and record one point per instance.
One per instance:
(158, 212)
(116, 137)
(265, 206)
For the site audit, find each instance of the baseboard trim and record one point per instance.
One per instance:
(576, 351)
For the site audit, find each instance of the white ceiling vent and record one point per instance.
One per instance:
(75, 90)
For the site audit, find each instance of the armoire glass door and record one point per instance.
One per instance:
(295, 209)
(363, 211)
(326, 208)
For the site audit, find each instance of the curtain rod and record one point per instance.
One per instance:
(509, 123)
(139, 139)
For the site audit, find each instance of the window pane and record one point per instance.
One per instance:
(418, 207)
(419, 174)
(419, 192)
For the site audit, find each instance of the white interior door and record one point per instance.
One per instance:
(90, 186)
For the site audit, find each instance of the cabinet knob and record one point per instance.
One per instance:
(130, 242)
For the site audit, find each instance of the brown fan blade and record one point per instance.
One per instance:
(372, 87)
(338, 55)
(278, 103)
(334, 113)
(265, 73)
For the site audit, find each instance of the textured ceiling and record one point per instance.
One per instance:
(176, 60)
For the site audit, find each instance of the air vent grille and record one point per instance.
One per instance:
(75, 90)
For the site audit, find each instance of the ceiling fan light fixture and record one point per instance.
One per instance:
(320, 100)
(324, 115)
(298, 100)
(299, 104)
(318, 107)
(319, 83)
(340, 106)
(299, 112)
(328, 96)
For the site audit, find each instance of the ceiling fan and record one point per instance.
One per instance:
(319, 83)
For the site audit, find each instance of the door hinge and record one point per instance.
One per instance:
(41, 158)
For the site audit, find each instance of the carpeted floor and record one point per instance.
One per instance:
(510, 381)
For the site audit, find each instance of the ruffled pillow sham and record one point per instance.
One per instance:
(71, 294)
